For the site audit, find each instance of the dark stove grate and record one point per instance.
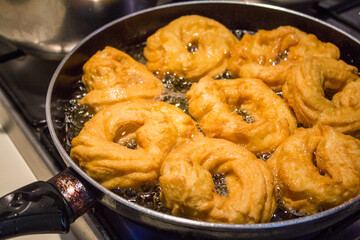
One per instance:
(345, 11)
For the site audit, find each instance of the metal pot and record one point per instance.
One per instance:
(79, 191)
(50, 29)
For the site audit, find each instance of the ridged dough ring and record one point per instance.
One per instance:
(305, 93)
(168, 49)
(213, 103)
(270, 54)
(112, 76)
(316, 169)
(188, 188)
(155, 126)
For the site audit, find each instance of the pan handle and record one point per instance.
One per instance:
(45, 207)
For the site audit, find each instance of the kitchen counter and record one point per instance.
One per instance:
(15, 173)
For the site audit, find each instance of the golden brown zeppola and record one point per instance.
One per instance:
(214, 104)
(155, 126)
(191, 47)
(188, 187)
(112, 76)
(270, 54)
(316, 169)
(305, 93)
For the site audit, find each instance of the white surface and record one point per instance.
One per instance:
(14, 173)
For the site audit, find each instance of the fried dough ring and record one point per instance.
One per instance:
(270, 54)
(167, 49)
(213, 103)
(304, 91)
(156, 127)
(316, 169)
(112, 76)
(188, 188)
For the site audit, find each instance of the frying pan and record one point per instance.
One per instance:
(51, 206)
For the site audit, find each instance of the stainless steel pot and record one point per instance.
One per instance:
(50, 29)
(79, 191)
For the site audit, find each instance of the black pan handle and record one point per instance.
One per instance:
(35, 208)
(45, 207)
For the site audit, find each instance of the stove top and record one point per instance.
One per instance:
(24, 81)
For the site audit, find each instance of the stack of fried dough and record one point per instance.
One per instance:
(289, 97)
